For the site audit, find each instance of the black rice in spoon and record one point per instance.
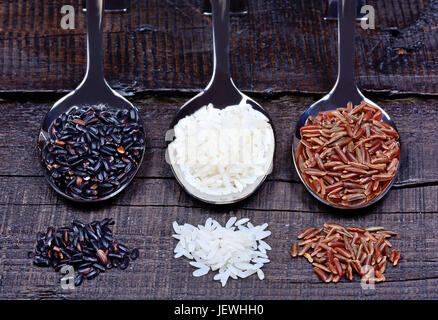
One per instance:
(93, 151)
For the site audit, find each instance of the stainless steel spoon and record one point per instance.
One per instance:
(93, 90)
(344, 91)
(221, 92)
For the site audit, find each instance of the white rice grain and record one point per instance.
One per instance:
(233, 252)
(222, 152)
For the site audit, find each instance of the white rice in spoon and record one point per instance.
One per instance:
(222, 152)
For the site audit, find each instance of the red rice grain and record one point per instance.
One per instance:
(336, 251)
(348, 156)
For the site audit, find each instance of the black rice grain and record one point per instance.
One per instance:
(89, 248)
(93, 151)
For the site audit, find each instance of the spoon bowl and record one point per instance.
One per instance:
(344, 92)
(324, 105)
(93, 91)
(221, 92)
(191, 107)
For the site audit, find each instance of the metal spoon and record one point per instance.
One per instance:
(344, 91)
(93, 90)
(221, 92)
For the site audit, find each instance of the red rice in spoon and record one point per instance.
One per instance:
(348, 156)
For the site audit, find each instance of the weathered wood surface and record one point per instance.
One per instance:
(145, 210)
(280, 46)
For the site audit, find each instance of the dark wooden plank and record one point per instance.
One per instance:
(273, 196)
(145, 210)
(414, 118)
(157, 275)
(279, 46)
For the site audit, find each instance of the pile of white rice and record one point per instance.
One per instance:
(236, 250)
(222, 151)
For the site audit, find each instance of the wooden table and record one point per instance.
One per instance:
(284, 56)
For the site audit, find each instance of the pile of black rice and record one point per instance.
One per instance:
(89, 248)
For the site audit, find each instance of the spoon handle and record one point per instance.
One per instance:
(221, 38)
(346, 84)
(95, 72)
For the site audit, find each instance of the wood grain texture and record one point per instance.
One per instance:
(145, 210)
(280, 46)
(419, 142)
(157, 275)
